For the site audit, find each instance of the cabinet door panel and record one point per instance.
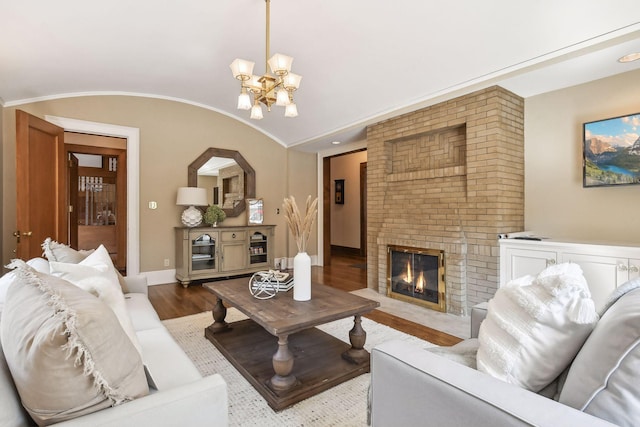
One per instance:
(603, 274)
(234, 256)
(522, 262)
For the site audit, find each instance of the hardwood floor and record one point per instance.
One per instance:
(346, 272)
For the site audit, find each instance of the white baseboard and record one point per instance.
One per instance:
(160, 277)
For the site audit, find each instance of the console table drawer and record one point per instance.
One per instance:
(233, 236)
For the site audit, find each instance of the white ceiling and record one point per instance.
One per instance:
(361, 60)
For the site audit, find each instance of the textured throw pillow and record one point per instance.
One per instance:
(66, 351)
(96, 275)
(603, 378)
(535, 327)
(60, 252)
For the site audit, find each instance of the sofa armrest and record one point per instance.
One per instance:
(412, 386)
(201, 403)
(137, 284)
(478, 314)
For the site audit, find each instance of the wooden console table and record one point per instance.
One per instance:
(321, 360)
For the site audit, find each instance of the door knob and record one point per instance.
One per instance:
(17, 234)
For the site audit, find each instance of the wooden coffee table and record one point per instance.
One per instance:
(303, 360)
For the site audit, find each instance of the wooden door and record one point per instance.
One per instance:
(72, 195)
(40, 184)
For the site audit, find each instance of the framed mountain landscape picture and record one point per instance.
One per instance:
(611, 151)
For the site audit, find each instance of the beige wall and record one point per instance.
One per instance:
(303, 182)
(345, 219)
(556, 204)
(172, 135)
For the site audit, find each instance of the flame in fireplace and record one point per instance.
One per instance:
(420, 283)
(409, 275)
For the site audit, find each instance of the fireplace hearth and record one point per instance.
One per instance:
(416, 275)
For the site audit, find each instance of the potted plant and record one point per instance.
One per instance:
(213, 214)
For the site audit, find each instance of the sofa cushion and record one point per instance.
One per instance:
(143, 316)
(535, 327)
(55, 251)
(166, 362)
(603, 379)
(96, 275)
(66, 350)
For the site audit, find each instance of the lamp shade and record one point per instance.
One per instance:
(292, 81)
(242, 69)
(191, 196)
(280, 64)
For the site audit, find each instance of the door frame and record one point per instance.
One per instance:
(132, 135)
(324, 176)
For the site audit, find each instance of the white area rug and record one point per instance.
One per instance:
(343, 405)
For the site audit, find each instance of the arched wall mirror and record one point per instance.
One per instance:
(227, 176)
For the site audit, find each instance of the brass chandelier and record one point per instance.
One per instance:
(276, 88)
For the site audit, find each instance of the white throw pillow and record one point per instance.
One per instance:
(536, 326)
(97, 275)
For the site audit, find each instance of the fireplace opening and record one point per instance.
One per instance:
(416, 275)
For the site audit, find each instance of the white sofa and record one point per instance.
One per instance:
(412, 385)
(179, 395)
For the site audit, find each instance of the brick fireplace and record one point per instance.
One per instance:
(449, 177)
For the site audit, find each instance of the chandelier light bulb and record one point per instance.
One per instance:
(256, 112)
(244, 101)
(282, 98)
(291, 110)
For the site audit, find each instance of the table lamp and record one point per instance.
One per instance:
(192, 197)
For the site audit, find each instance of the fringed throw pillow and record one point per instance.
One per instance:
(67, 353)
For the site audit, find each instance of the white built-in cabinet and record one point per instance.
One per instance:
(211, 252)
(604, 266)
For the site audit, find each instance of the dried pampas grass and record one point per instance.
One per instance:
(300, 227)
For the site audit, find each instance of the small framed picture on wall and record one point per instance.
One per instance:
(339, 194)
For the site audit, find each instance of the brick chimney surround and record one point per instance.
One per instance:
(448, 177)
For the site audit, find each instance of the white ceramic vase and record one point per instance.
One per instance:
(302, 277)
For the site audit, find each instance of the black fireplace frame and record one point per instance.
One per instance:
(441, 305)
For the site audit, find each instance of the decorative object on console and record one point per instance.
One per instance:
(301, 229)
(191, 197)
(611, 152)
(255, 211)
(213, 214)
(267, 89)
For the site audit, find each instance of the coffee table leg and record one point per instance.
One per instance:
(283, 365)
(219, 313)
(357, 336)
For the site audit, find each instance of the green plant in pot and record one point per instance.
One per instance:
(213, 215)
